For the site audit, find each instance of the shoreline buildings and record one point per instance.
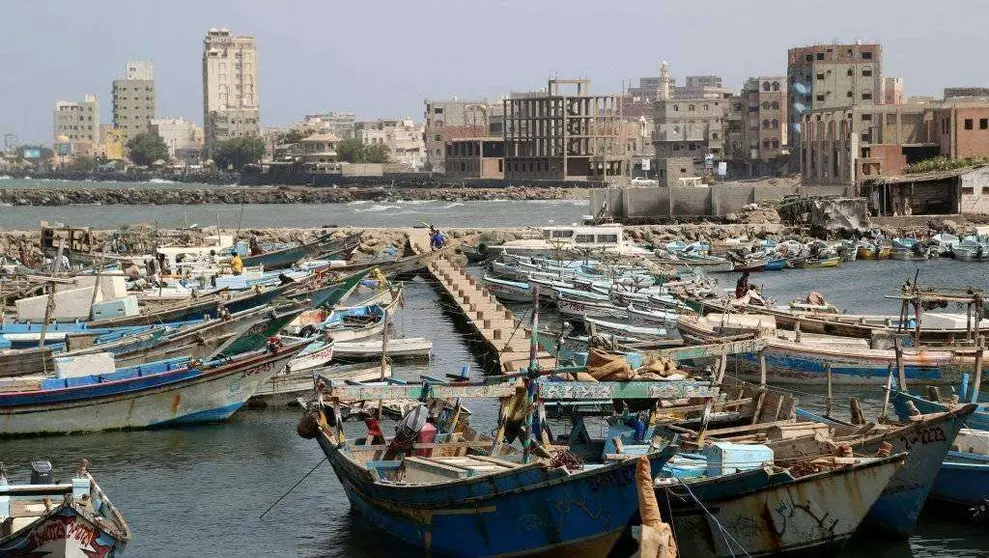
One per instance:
(231, 107)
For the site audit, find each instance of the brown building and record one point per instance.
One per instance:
(564, 133)
(756, 130)
(449, 119)
(851, 144)
(475, 158)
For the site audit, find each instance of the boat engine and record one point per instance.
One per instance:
(41, 472)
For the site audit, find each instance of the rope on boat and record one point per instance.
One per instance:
(282, 497)
(724, 532)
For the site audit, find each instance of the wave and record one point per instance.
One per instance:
(452, 205)
(415, 202)
(377, 208)
(160, 181)
(6, 177)
(359, 202)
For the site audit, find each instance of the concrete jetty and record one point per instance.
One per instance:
(504, 334)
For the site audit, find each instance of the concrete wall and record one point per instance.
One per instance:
(975, 192)
(716, 200)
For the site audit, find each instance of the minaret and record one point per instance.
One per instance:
(664, 82)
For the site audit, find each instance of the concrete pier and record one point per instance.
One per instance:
(504, 334)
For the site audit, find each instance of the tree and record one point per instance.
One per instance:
(377, 153)
(352, 150)
(295, 134)
(237, 152)
(146, 148)
(82, 164)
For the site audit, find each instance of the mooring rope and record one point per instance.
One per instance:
(282, 497)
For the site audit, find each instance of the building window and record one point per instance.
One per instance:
(849, 94)
(809, 58)
(776, 105)
(984, 123)
(765, 124)
(766, 86)
(738, 107)
(765, 105)
(866, 56)
(714, 135)
(776, 144)
(820, 56)
(438, 110)
(867, 72)
(706, 107)
(867, 117)
(676, 108)
(820, 97)
(776, 86)
(866, 96)
(437, 137)
(776, 124)
(968, 124)
(691, 107)
(820, 76)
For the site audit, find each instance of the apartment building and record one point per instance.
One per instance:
(134, 100)
(76, 124)
(449, 119)
(231, 107)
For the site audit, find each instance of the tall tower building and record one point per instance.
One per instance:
(665, 82)
(230, 87)
(134, 104)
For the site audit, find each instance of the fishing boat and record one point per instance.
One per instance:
(450, 494)
(328, 294)
(163, 393)
(59, 519)
(353, 324)
(199, 308)
(582, 308)
(285, 388)
(811, 510)
(872, 251)
(775, 264)
(706, 263)
(576, 239)
(816, 263)
(316, 354)
(324, 246)
(751, 266)
(962, 483)
(644, 334)
(510, 291)
(407, 348)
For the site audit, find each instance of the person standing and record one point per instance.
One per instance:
(237, 264)
(742, 286)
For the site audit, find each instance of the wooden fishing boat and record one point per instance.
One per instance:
(164, 393)
(324, 246)
(511, 291)
(816, 263)
(644, 334)
(206, 307)
(429, 494)
(775, 264)
(316, 354)
(45, 518)
(353, 324)
(329, 294)
(579, 309)
(285, 389)
(775, 512)
(749, 265)
(409, 348)
(907, 404)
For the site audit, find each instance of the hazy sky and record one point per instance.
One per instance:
(381, 58)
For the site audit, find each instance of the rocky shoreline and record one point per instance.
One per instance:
(267, 195)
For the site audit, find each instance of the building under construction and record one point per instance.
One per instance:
(564, 133)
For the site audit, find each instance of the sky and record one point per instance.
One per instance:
(381, 58)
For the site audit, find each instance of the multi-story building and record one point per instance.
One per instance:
(693, 128)
(403, 138)
(475, 158)
(183, 138)
(830, 76)
(756, 127)
(847, 145)
(449, 119)
(339, 123)
(695, 87)
(231, 107)
(952, 92)
(79, 123)
(564, 133)
(134, 104)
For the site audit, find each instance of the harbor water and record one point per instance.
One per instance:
(201, 491)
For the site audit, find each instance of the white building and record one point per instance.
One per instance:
(231, 107)
(404, 139)
(182, 137)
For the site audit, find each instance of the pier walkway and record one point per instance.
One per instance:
(503, 333)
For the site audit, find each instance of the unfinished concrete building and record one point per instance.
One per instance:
(564, 133)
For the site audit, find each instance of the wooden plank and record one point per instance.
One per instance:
(712, 350)
(414, 391)
(681, 389)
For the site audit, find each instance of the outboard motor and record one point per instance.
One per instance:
(41, 472)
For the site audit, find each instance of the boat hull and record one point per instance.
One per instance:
(208, 397)
(962, 481)
(813, 515)
(533, 511)
(64, 533)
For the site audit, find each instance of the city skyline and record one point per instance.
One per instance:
(314, 58)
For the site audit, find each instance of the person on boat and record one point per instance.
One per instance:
(742, 286)
(374, 431)
(237, 264)
(255, 245)
(152, 271)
